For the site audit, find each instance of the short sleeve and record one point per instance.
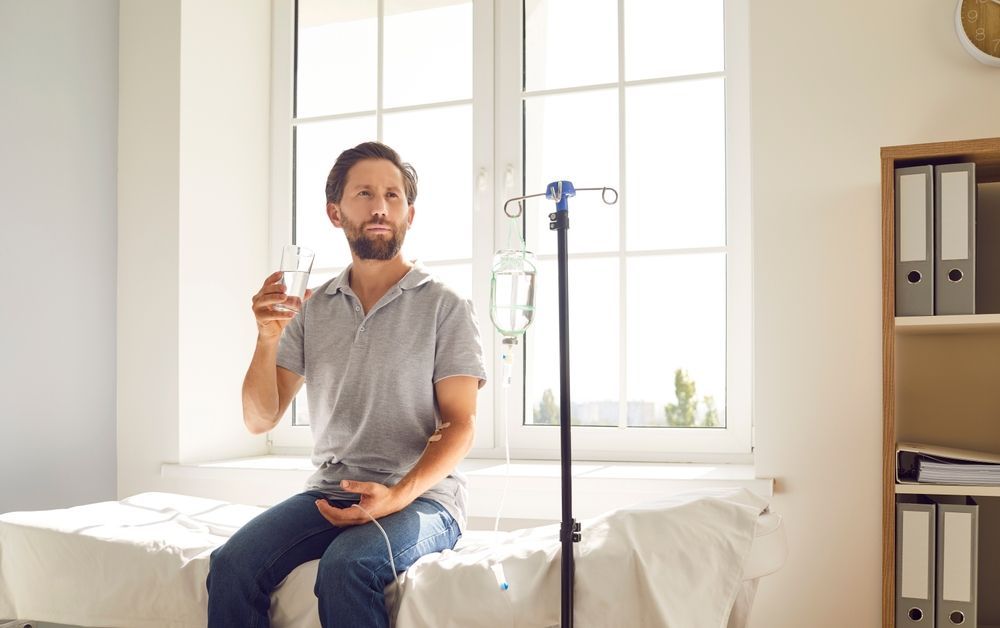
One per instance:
(291, 347)
(458, 349)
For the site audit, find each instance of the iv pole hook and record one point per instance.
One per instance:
(608, 195)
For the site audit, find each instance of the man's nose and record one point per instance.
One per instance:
(380, 207)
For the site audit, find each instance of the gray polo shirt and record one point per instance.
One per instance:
(370, 378)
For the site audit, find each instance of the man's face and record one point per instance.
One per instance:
(373, 211)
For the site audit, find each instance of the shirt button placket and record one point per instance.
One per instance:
(361, 326)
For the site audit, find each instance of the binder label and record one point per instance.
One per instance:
(916, 534)
(912, 218)
(955, 215)
(957, 557)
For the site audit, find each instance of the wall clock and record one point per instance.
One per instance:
(977, 24)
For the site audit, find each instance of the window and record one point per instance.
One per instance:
(491, 100)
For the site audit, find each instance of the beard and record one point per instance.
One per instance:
(374, 248)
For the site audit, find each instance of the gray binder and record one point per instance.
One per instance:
(957, 562)
(915, 561)
(914, 241)
(988, 248)
(955, 239)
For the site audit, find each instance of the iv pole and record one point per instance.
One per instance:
(569, 530)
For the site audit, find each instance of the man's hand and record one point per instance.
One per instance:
(378, 499)
(271, 322)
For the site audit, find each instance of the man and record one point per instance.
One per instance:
(393, 362)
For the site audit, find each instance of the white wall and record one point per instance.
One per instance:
(148, 155)
(831, 83)
(193, 198)
(58, 95)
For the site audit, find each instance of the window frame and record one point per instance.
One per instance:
(289, 438)
(497, 172)
(734, 442)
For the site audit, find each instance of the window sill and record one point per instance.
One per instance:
(534, 486)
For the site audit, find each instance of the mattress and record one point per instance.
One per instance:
(141, 563)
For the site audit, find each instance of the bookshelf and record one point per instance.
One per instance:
(954, 324)
(940, 381)
(948, 489)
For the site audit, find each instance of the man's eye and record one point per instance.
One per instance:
(393, 195)
(364, 193)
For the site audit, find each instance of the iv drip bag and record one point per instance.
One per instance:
(512, 291)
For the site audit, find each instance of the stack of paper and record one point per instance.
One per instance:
(929, 464)
(938, 471)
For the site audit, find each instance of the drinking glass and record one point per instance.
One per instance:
(296, 262)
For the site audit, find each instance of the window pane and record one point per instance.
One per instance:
(459, 278)
(570, 42)
(320, 277)
(593, 317)
(337, 64)
(317, 146)
(442, 223)
(677, 321)
(676, 165)
(672, 38)
(573, 137)
(428, 51)
(300, 416)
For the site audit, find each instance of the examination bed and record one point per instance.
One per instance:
(687, 561)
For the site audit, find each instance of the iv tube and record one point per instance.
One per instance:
(507, 356)
(512, 309)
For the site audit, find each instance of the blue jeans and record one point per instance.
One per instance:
(354, 565)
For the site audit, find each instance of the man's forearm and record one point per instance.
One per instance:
(260, 388)
(439, 459)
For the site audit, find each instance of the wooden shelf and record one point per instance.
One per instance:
(984, 152)
(953, 324)
(940, 380)
(947, 489)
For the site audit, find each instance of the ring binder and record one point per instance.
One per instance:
(914, 241)
(988, 248)
(955, 239)
(957, 560)
(915, 561)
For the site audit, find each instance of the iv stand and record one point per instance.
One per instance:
(569, 530)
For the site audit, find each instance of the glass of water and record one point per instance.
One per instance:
(296, 262)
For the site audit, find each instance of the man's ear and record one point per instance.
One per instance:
(409, 218)
(334, 213)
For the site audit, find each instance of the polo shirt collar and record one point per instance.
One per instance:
(417, 276)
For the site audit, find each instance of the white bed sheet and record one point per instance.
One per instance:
(684, 561)
(142, 563)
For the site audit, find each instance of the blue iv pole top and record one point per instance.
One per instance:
(560, 191)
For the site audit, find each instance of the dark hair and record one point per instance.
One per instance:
(368, 150)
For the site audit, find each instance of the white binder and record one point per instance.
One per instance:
(955, 239)
(915, 561)
(914, 211)
(957, 562)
